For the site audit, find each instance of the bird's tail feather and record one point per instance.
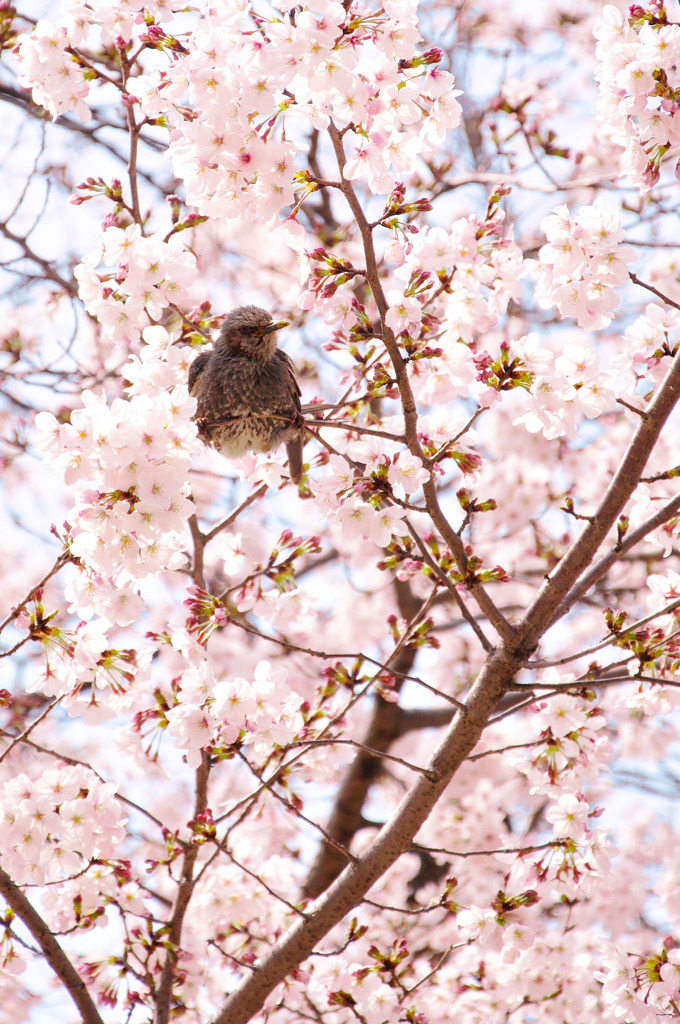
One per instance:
(294, 450)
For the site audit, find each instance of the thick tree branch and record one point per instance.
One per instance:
(394, 839)
(52, 951)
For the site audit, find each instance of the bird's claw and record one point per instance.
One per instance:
(202, 428)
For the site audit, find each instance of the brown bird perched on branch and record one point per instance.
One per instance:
(248, 396)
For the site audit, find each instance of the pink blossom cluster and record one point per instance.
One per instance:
(131, 459)
(60, 78)
(256, 93)
(649, 340)
(340, 500)
(630, 992)
(638, 72)
(58, 82)
(254, 698)
(504, 935)
(245, 555)
(259, 713)
(564, 388)
(150, 275)
(482, 266)
(56, 824)
(664, 274)
(344, 980)
(519, 963)
(110, 23)
(83, 669)
(582, 263)
(571, 752)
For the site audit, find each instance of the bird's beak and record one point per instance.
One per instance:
(275, 326)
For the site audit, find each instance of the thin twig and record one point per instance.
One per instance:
(655, 291)
(29, 729)
(61, 561)
(233, 516)
(309, 744)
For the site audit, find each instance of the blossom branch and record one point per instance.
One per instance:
(383, 729)
(352, 655)
(133, 132)
(61, 561)
(504, 629)
(495, 178)
(47, 267)
(352, 427)
(233, 516)
(339, 741)
(450, 586)
(29, 728)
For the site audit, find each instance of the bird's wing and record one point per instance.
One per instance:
(196, 369)
(290, 377)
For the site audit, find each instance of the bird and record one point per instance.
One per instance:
(248, 397)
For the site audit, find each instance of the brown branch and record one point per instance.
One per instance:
(228, 520)
(266, 785)
(91, 132)
(373, 277)
(253, 874)
(29, 728)
(450, 586)
(655, 291)
(199, 540)
(606, 642)
(133, 131)
(494, 178)
(356, 427)
(52, 951)
(341, 655)
(443, 716)
(184, 893)
(46, 266)
(408, 404)
(17, 646)
(504, 629)
(552, 844)
(496, 676)
(632, 408)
